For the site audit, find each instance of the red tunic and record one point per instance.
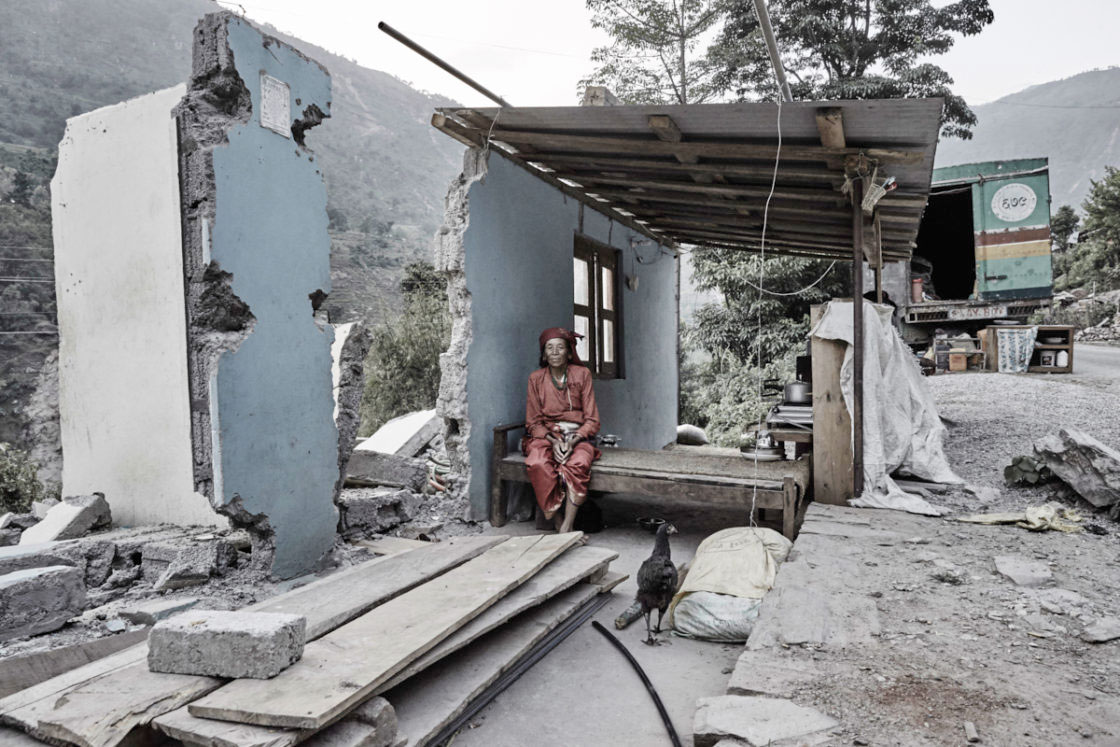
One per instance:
(545, 405)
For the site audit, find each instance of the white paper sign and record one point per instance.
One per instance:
(276, 106)
(1014, 202)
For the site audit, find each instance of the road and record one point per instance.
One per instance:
(1097, 366)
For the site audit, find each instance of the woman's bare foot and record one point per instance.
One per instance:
(571, 508)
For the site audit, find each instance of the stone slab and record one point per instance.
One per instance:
(22, 557)
(406, 435)
(1101, 631)
(39, 600)
(757, 721)
(1023, 571)
(372, 724)
(387, 469)
(763, 672)
(70, 519)
(151, 611)
(366, 512)
(219, 643)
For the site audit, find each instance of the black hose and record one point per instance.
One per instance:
(645, 681)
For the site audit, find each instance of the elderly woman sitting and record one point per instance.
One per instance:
(560, 416)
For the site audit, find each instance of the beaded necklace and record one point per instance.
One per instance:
(562, 383)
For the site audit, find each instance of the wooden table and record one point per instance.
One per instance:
(710, 475)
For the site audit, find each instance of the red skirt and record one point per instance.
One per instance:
(545, 474)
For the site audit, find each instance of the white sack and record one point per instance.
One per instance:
(901, 428)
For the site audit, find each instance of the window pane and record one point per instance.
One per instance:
(581, 291)
(608, 288)
(608, 341)
(582, 327)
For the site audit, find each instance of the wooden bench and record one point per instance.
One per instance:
(724, 479)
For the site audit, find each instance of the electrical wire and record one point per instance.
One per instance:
(673, 736)
(796, 292)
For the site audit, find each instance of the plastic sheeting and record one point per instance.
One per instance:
(901, 428)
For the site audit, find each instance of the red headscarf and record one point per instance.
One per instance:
(559, 333)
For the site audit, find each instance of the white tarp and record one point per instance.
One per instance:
(901, 428)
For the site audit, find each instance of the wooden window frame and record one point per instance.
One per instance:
(598, 256)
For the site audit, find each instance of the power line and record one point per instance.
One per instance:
(25, 280)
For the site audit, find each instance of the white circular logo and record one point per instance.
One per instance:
(1014, 202)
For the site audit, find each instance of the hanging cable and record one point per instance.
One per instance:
(797, 292)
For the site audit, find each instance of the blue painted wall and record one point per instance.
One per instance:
(278, 442)
(518, 248)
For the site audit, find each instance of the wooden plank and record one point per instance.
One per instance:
(347, 665)
(100, 703)
(832, 425)
(202, 732)
(432, 700)
(723, 149)
(577, 164)
(802, 194)
(21, 672)
(579, 563)
(391, 545)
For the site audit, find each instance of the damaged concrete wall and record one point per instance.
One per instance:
(123, 396)
(256, 252)
(506, 249)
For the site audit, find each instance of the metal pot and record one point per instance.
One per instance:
(798, 393)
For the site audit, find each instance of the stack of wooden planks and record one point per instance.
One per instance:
(476, 605)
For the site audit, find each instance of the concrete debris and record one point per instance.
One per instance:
(348, 355)
(39, 600)
(1085, 464)
(9, 537)
(766, 673)
(367, 468)
(179, 564)
(1102, 630)
(406, 435)
(18, 521)
(94, 556)
(22, 557)
(151, 611)
(217, 643)
(39, 509)
(116, 626)
(366, 512)
(970, 732)
(1023, 572)
(757, 721)
(72, 518)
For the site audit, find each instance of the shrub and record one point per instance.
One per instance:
(19, 483)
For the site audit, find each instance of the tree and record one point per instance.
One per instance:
(851, 49)
(655, 56)
(1095, 259)
(402, 367)
(1062, 225)
(22, 189)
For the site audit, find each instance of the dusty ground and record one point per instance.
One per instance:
(1005, 657)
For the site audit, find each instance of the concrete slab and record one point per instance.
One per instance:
(757, 721)
(406, 435)
(219, 643)
(765, 672)
(70, 519)
(22, 557)
(151, 611)
(39, 600)
(1101, 631)
(367, 512)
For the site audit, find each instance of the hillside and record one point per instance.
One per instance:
(1074, 122)
(385, 167)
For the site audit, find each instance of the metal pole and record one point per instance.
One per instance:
(772, 45)
(857, 337)
(431, 57)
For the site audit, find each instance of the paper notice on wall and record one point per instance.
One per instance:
(276, 106)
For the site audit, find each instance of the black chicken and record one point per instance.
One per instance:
(657, 580)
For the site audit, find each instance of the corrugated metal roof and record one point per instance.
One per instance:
(700, 173)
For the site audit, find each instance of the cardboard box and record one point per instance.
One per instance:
(958, 361)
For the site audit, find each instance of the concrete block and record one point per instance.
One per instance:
(9, 537)
(151, 611)
(39, 509)
(22, 557)
(756, 721)
(388, 469)
(406, 435)
(94, 556)
(1023, 571)
(377, 510)
(18, 521)
(227, 644)
(182, 563)
(72, 518)
(39, 600)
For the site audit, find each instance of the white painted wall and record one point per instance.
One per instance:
(123, 388)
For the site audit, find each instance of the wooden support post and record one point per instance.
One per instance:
(878, 260)
(857, 337)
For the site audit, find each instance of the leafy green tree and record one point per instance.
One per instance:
(656, 54)
(402, 367)
(1094, 262)
(851, 49)
(22, 188)
(1062, 225)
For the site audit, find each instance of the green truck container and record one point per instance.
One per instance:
(983, 249)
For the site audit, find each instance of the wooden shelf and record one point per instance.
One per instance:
(1066, 346)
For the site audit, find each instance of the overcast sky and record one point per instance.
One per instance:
(533, 52)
